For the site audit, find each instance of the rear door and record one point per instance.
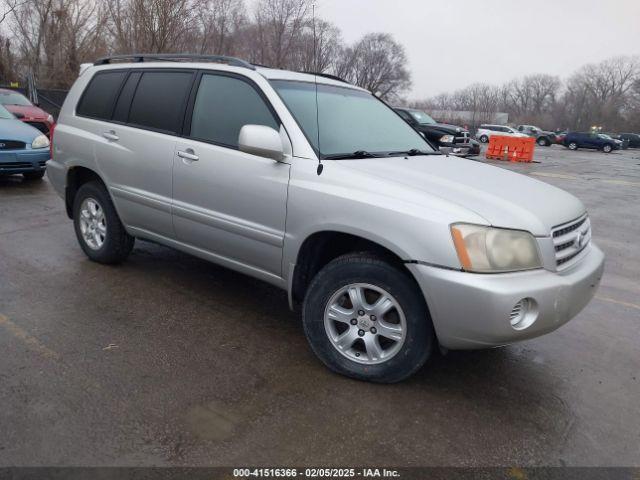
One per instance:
(139, 144)
(227, 203)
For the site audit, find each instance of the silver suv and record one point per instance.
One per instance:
(316, 186)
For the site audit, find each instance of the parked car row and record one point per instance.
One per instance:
(23, 148)
(24, 136)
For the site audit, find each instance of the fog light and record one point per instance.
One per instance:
(523, 314)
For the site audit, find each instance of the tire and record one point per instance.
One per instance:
(99, 230)
(544, 142)
(572, 146)
(407, 320)
(607, 148)
(484, 139)
(33, 175)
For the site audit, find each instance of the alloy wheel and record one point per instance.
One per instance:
(93, 224)
(365, 323)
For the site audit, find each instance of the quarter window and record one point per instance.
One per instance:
(223, 106)
(99, 97)
(159, 101)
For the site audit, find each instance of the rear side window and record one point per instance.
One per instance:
(223, 105)
(99, 97)
(159, 101)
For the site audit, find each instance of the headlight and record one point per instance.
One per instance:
(447, 139)
(41, 141)
(488, 250)
(50, 119)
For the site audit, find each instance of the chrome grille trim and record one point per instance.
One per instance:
(570, 240)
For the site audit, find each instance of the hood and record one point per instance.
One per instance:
(503, 198)
(441, 127)
(13, 129)
(28, 111)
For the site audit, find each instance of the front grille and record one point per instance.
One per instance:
(464, 137)
(43, 127)
(11, 145)
(570, 240)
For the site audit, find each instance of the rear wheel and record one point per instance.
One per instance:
(33, 175)
(572, 146)
(484, 139)
(367, 319)
(607, 148)
(98, 228)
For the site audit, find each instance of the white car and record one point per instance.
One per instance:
(485, 132)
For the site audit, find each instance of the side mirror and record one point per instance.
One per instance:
(262, 141)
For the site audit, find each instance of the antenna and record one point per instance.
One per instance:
(315, 69)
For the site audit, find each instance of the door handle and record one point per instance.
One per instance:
(188, 154)
(111, 136)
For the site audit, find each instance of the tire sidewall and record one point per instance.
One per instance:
(419, 339)
(484, 139)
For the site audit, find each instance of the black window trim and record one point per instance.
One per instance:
(86, 89)
(188, 114)
(129, 72)
(188, 105)
(179, 125)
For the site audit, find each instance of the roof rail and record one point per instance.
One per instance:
(175, 57)
(328, 75)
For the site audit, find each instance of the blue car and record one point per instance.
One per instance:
(23, 148)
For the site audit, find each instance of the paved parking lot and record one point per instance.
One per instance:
(168, 360)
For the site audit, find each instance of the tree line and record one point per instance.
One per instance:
(605, 94)
(51, 38)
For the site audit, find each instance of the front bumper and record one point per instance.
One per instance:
(23, 161)
(472, 310)
(463, 149)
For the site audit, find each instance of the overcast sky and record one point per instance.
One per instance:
(453, 43)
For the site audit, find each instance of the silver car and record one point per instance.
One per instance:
(391, 249)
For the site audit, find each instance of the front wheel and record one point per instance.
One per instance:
(607, 149)
(484, 139)
(367, 319)
(573, 146)
(100, 232)
(544, 142)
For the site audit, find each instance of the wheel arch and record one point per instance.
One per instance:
(321, 247)
(76, 177)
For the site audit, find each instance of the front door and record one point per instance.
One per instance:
(227, 203)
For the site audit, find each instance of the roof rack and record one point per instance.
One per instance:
(328, 75)
(175, 57)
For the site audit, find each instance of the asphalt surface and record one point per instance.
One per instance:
(169, 360)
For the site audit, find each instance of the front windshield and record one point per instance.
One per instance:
(5, 114)
(421, 117)
(13, 98)
(347, 120)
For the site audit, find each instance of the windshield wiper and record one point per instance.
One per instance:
(356, 155)
(412, 153)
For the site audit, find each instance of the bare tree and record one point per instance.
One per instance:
(219, 21)
(150, 26)
(377, 63)
(278, 27)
